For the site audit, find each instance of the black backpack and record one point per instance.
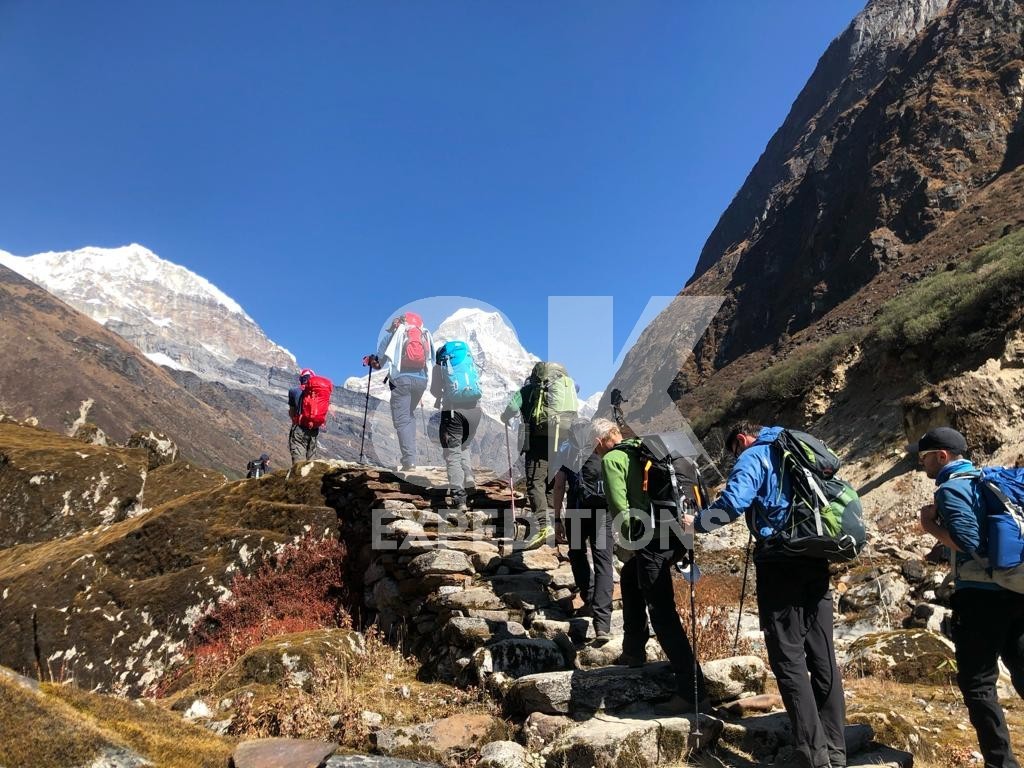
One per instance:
(586, 478)
(671, 480)
(826, 519)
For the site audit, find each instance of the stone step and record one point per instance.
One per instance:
(644, 738)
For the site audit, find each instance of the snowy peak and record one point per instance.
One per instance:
(174, 316)
(80, 272)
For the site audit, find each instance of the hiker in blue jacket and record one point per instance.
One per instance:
(988, 621)
(794, 598)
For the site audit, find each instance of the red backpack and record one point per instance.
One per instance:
(316, 399)
(414, 353)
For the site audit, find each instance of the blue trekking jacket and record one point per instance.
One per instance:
(756, 484)
(962, 512)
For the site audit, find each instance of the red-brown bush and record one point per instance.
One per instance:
(300, 588)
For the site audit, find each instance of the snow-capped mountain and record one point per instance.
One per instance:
(502, 361)
(161, 308)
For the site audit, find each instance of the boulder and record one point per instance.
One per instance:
(606, 741)
(432, 740)
(731, 678)
(466, 631)
(888, 591)
(281, 753)
(160, 448)
(543, 559)
(906, 655)
(374, 761)
(440, 562)
(541, 729)
(503, 754)
(290, 660)
(587, 691)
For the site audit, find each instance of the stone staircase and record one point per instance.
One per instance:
(476, 610)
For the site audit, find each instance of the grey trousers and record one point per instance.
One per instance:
(406, 392)
(302, 443)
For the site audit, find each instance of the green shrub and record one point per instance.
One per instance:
(791, 377)
(927, 310)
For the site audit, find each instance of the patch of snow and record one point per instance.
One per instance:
(66, 510)
(198, 708)
(83, 414)
(36, 479)
(161, 359)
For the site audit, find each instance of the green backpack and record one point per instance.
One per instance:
(550, 404)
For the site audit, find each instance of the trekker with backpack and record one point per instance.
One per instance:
(580, 481)
(308, 405)
(649, 550)
(547, 403)
(407, 351)
(455, 385)
(258, 467)
(791, 557)
(969, 507)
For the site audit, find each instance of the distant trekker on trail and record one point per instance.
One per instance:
(586, 521)
(646, 576)
(455, 385)
(308, 405)
(407, 352)
(547, 403)
(258, 467)
(794, 593)
(972, 515)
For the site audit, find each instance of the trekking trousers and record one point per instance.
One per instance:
(592, 529)
(646, 584)
(988, 625)
(456, 431)
(406, 392)
(302, 443)
(538, 487)
(794, 601)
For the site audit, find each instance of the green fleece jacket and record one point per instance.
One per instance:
(623, 481)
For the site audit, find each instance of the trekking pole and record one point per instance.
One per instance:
(366, 408)
(701, 497)
(743, 594)
(511, 490)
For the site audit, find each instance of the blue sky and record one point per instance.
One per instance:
(327, 162)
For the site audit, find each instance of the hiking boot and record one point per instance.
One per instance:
(539, 539)
(629, 660)
(407, 467)
(600, 639)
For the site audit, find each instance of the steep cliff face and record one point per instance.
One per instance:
(850, 68)
(866, 181)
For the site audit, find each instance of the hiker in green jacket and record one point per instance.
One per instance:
(646, 577)
(547, 403)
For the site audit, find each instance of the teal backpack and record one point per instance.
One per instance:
(460, 377)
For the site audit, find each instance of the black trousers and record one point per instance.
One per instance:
(794, 601)
(457, 428)
(988, 625)
(592, 529)
(538, 486)
(646, 583)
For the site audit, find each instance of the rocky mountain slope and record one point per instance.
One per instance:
(896, 164)
(175, 317)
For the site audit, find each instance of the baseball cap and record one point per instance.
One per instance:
(940, 439)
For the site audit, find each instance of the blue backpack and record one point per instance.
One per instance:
(1002, 492)
(460, 378)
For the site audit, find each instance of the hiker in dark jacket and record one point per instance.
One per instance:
(586, 521)
(646, 577)
(302, 441)
(542, 440)
(258, 467)
(988, 621)
(459, 423)
(794, 598)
